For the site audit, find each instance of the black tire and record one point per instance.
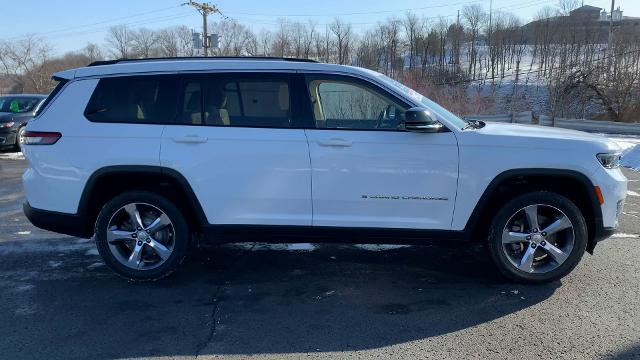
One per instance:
(19, 133)
(498, 255)
(180, 231)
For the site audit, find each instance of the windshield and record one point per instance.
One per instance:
(426, 102)
(16, 104)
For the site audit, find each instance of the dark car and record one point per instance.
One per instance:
(15, 111)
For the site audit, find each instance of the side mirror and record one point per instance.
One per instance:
(420, 120)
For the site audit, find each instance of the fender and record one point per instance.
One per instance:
(159, 173)
(598, 233)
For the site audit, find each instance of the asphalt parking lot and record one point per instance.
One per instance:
(58, 301)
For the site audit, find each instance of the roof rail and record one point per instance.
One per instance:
(125, 60)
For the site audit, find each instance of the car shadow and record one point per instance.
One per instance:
(258, 300)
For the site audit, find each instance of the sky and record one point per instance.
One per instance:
(71, 24)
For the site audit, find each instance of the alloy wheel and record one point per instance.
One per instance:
(140, 236)
(538, 238)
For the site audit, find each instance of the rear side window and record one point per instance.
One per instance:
(239, 100)
(134, 99)
(50, 97)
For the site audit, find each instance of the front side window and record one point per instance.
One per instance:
(239, 100)
(147, 99)
(348, 103)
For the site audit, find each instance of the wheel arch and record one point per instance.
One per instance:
(574, 185)
(107, 182)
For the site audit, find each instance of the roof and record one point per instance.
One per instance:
(159, 65)
(586, 8)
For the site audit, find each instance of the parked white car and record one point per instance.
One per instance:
(157, 156)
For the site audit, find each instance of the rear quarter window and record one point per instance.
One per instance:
(50, 97)
(150, 99)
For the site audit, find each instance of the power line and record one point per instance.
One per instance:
(519, 6)
(360, 13)
(96, 23)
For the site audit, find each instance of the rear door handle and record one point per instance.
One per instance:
(190, 139)
(335, 142)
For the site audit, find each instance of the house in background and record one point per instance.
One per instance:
(587, 24)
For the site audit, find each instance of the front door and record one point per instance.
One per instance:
(367, 171)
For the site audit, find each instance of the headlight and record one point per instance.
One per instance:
(6, 125)
(609, 160)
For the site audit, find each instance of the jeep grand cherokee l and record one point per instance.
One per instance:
(155, 156)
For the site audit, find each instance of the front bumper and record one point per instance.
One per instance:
(8, 138)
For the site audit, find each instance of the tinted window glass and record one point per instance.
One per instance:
(346, 103)
(134, 99)
(236, 100)
(50, 97)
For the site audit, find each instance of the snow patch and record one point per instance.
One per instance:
(55, 264)
(631, 158)
(25, 287)
(95, 265)
(26, 232)
(632, 193)
(275, 247)
(624, 236)
(12, 156)
(92, 252)
(380, 247)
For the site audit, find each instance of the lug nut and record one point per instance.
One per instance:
(529, 237)
(543, 243)
(533, 246)
(139, 243)
(134, 236)
(535, 230)
(148, 231)
(139, 228)
(544, 233)
(148, 241)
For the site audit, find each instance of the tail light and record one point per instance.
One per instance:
(41, 137)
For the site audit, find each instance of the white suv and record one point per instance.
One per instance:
(156, 156)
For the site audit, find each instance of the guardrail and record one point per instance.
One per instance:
(610, 127)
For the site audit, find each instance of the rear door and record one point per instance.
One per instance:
(367, 170)
(241, 148)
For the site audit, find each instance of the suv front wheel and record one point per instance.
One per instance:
(537, 237)
(141, 235)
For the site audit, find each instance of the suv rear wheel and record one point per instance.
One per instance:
(141, 235)
(537, 237)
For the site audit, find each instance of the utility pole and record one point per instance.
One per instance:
(613, 4)
(204, 9)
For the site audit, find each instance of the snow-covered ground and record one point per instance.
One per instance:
(631, 150)
(11, 156)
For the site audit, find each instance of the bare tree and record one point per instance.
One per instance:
(475, 16)
(93, 52)
(185, 45)
(119, 39)
(143, 42)
(342, 33)
(565, 6)
(281, 45)
(24, 62)
(412, 29)
(167, 42)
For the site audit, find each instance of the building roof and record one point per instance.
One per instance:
(586, 8)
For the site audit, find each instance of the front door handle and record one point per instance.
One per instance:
(335, 142)
(190, 139)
